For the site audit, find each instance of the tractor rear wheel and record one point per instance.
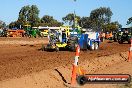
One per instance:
(120, 41)
(73, 48)
(92, 46)
(129, 41)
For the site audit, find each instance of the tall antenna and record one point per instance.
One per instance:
(74, 23)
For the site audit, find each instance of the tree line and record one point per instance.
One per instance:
(99, 19)
(29, 15)
(2, 24)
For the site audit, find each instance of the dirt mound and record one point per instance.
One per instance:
(55, 77)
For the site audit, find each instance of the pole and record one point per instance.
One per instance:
(74, 25)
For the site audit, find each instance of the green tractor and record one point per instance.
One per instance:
(124, 35)
(32, 31)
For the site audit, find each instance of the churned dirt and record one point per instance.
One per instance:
(24, 65)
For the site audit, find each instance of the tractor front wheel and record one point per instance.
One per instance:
(56, 48)
(43, 47)
(96, 46)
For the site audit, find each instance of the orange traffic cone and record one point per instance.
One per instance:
(74, 75)
(81, 71)
(78, 51)
(130, 52)
(75, 67)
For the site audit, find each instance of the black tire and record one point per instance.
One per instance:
(92, 47)
(73, 40)
(96, 46)
(129, 42)
(43, 48)
(73, 48)
(120, 41)
(81, 80)
(115, 40)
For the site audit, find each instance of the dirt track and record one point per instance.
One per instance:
(17, 60)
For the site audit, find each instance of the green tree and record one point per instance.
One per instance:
(15, 24)
(29, 15)
(47, 20)
(12, 25)
(113, 26)
(33, 16)
(129, 21)
(85, 22)
(23, 15)
(2, 24)
(100, 17)
(69, 18)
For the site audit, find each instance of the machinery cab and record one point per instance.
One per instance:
(57, 38)
(124, 34)
(59, 33)
(64, 31)
(43, 31)
(53, 35)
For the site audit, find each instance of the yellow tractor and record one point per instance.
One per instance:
(58, 37)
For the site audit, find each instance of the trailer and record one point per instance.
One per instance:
(93, 40)
(87, 41)
(15, 33)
